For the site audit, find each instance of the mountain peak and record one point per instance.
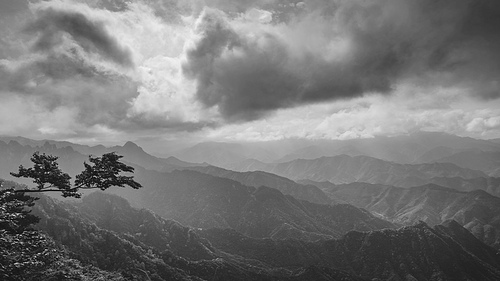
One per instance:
(131, 146)
(14, 143)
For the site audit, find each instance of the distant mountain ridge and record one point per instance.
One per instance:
(403, 149)
(201, 200)
(258, 178)
(485, 161)
(477, 210)
(238, 206)
(346, 169)
(223, 154)
(489, 184)
(71, 156)
(14, 154)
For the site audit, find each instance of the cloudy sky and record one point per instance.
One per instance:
(159, 70)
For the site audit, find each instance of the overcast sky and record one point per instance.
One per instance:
(107, 71)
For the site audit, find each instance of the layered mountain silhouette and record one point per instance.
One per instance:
(258, 178)
(346, 169)
(224, 154)
(201, 200)
(485, 161)
(72, 156)
(13, 154)
(317, 218)
(404, 149)
(489, 184)
(105, 231)
(477, 211)
(418, 147)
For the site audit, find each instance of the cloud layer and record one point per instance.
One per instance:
(82, 69)
(343, 49)
(73, 68)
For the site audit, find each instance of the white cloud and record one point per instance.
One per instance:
(257, 15)
(405, 112)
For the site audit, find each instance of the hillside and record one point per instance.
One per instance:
(418, 252)
(105, 231)
(477, 210)
(258, 178)
(204, 201)
(489, 184)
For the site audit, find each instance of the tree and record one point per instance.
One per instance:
(23, 250)
(102, 173)
(14, 216)
(26, 253)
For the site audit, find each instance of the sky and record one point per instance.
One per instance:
(152, 71)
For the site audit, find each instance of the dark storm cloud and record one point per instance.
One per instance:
(61, 81)
(61, 75)
(447, 43)
(52, 24)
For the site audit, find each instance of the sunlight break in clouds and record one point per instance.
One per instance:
(259, 70)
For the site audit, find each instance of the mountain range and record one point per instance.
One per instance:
(404, 149)
(418, 252)
(478, 211)
(425, 210)
(345, 169)
(105, 231)
(205, 201)
(258, 178)
(71, 156)
(485, 161)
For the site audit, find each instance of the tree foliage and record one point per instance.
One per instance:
(22, 249)
(26, 253)
(105, 172)
(102, 172)
(14, 215)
